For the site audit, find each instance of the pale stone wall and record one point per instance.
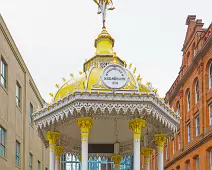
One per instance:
(16, 121)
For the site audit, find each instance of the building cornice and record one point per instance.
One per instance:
(190, 70)
(14, 49)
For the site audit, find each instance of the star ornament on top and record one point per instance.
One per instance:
(103, 7)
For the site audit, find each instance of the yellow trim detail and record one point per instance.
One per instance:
(85, 124)
(136, 126)
(59, 150)
(160, 139)
(147, 152)
(117, 160)
(53, 137)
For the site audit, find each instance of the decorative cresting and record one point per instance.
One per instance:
(160, 140)
(117, 159)
(85, 125)
(136, 126)
(52, 137)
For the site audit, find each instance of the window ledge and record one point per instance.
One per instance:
(17, 166)
(2, 157)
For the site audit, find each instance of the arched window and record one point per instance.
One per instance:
(210, 76)
(197, 91)
(178, 108)
(194, 51)
(188, 101)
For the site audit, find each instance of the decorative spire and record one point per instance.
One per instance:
(103, 7)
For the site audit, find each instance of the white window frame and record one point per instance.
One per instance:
(2, 142)
(188, 101)
(18, 94)
(197, 91)
(17, 153)
(210, 75)
(3, 73)
(31, 112)
(189, 132)
(197, 120)
(178, 109)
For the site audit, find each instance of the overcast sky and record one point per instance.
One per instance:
(55, 37)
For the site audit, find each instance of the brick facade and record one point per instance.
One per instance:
(193, 78)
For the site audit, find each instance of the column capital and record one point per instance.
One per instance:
(85, 124)
(147, 152)
(117, 160)
(160, 139)
(59, 150)
(136, 126)
(52, 137)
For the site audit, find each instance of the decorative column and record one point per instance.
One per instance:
(160, 140)
(117, 160)
(147, 152)
(52, 137)
(85, 124)
(59, 151)
(136, 126)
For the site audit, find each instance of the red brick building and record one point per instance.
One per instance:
(191, 96)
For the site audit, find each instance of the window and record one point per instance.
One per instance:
(197, 91)
(188, 166)
(197, 126)
(179, 142)
(189, 101)
(39, 165)
(197, 164)
(18, 95)
(210, 76)
(195, 52)
(189, 133)
(173, 147)
(211, 160)
(30, 161)
(3, 73)
(2, 142)
(167, 153)
(210, 114)
(178, 109)
(17, 157)
(31, 113)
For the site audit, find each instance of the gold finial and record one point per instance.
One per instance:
(148, 83)
(130, 66)
(80, 72)
(115, 59)
(57, 85)
(125, 64)
(103, 7)
(72, 75)
(156, 90)
(64, 80)
(51, 94)
(134, 71)
(139, 78)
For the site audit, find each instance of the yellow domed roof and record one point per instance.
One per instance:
(91, 81)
